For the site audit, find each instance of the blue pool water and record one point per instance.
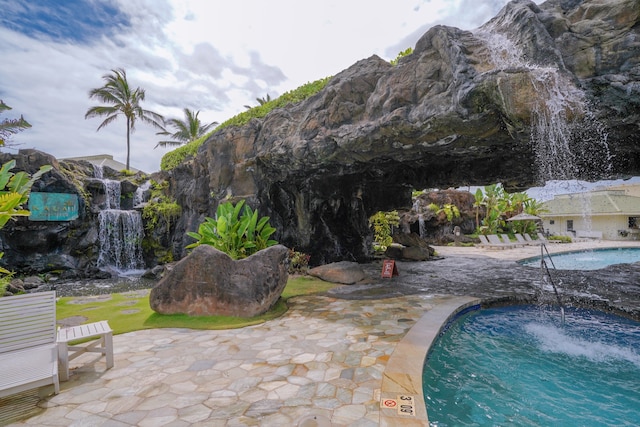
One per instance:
(518, 366)
(588, 260)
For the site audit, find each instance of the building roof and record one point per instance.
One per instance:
(104, 160)
(603, 202)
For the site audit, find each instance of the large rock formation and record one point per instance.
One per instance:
(207, 283)
(460, 110)
(67, 249)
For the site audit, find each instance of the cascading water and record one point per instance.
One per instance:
(567, 140)
(121, 232)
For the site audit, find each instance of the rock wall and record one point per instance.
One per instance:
(446, 115)
(65, 249)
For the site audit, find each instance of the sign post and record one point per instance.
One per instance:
(389, 268)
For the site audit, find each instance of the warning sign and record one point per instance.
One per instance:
(389, 268)
(389, 403)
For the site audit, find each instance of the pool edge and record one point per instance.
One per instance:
(403, 373)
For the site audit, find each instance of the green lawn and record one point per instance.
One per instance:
(130, 311)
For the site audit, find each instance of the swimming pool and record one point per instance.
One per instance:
(587, 260)
(519, 366)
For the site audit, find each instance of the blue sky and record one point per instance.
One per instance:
(214, 57)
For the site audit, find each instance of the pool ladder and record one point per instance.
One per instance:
(546, 274)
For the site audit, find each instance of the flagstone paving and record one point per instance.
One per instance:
(324, 359)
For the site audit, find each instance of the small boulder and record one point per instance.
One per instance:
(207, 282)
(344, 272)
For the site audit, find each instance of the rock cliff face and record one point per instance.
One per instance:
(465, 108)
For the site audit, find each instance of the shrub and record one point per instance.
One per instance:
(177, 156)
(298, 262)
(237, 236)
(382, 223)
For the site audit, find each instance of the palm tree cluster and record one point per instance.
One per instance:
(122, 100)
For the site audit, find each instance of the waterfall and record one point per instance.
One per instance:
(120, 231)
(422, 228)
(121, 236)
(139, 195)
(566, 138)
(568, 141)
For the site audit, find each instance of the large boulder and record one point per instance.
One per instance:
(345, 272)
(207, 282)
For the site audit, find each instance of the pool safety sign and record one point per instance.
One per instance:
(53, 206)
(389, 268)
(404, 404)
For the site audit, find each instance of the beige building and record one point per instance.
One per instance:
(609, 214)
(104, 160)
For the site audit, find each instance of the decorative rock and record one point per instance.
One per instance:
(344, 272)
(208, 282)
(32, 282)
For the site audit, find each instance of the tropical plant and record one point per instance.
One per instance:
(122, 100)
(406, 52)
(382, 231)
(451, 211)
(9, 127)
(261, 101)
(298, 262)
(14, 193)
(239, 236)
(186, 131)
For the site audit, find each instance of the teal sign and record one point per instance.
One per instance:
(53, 206)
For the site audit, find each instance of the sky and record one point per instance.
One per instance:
(209, 56)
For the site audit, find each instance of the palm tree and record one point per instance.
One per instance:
(10, 126)
(123, 100)
(187, 130)
(261, 101)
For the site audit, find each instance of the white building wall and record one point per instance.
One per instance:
(608, 225)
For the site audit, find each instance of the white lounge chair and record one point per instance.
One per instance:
(495, 240)
(508, 241)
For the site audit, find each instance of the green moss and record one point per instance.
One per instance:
(174, 158)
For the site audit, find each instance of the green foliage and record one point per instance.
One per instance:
(408, 51)
(187, 130)
(451, 211)
(298, 262)
(176, 157)
(160, 209)
(500, 205)
(14, 192)
(239, 236)
(433, 207)
(9, 127)
(382, 223)
(561, 239)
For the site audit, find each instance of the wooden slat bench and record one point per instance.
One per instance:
(28, 349)
(102, 342)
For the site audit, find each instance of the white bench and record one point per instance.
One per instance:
(102, 342)
(28, 349)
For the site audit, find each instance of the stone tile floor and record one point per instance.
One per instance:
(324, 359)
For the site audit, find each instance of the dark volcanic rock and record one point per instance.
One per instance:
(450, 114)
(209, 283)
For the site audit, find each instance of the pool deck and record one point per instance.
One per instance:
(340, 359)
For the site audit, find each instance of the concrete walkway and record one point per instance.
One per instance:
(324, 360)
(322, 363)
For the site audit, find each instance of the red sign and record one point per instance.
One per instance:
(389, 268)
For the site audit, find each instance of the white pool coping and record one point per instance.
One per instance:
(401, 396)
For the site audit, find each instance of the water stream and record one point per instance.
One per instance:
(121, 232)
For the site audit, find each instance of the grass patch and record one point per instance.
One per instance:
(130, 311)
